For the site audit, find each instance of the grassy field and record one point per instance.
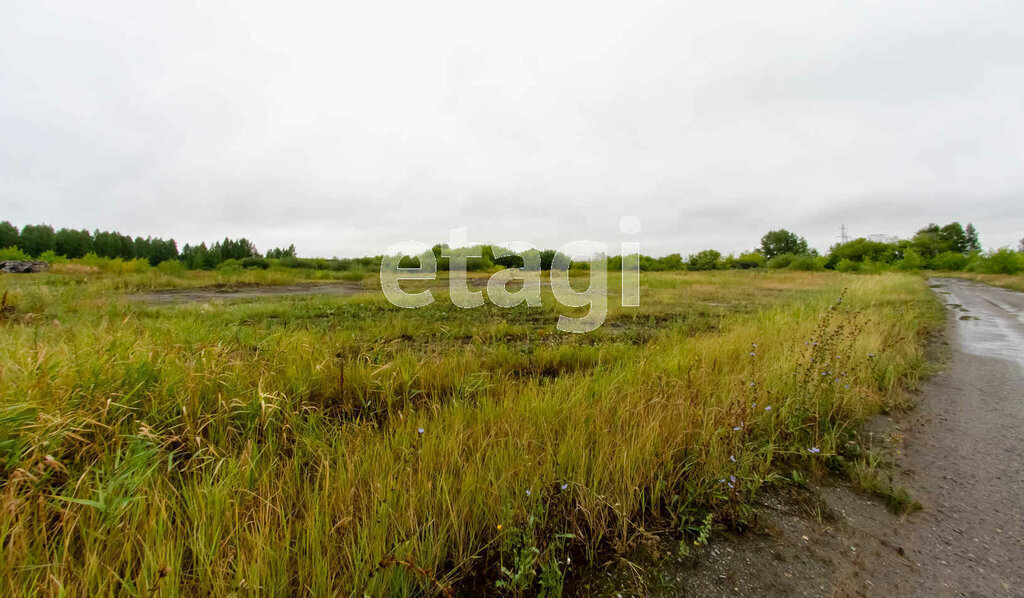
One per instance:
(343, 446)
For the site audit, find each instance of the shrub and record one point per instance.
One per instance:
(753, 259)
(911, 261)
(172, 268)
(783, 260)
(1002, 261)
(114, 265)
(807, 263)
(231, 266)
(948, 260)
(848, 265)
(255, 262)
(863, 249)
(51, 257)
(13, 253)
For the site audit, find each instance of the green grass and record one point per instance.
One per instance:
(273, 446)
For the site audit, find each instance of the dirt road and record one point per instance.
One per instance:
(960, 454)
(963, 458)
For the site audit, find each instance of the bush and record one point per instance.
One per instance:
(51, 257)
(848, 265)
(114, 265)
(231, 266)
(948, 260)
(807, 263)
(13, 253)
(870, 266)
(1003, 261)
(746, 261)
(911, 261)
(783, 260)
(172, 268)
(255, 262)
(860, 250)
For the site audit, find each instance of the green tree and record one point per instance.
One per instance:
(199, 257)
(547, 257)
(862, 249)
(113, 245)
(155, 250)
(781, 241)
(672, 261)
(704, 260)
(927, 242)
(973, 244)
(36, 239)
(954, 236)
(72, 243)
(143, 248)
(105, 244)
(8, 235)
(234, 249)
(164, 251)
(279, 253)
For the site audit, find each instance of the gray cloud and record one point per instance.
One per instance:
(344, 129)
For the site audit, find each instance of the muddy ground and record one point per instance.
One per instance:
(227, 293)
(255, 291)
(959, 453)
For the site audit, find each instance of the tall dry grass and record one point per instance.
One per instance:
(341, 446)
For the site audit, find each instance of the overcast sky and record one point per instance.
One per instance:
(345, 127)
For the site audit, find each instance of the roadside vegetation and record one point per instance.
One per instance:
(344, 446)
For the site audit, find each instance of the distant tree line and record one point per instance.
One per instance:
(36, 240)
(483, 257)
(40, 240)
(949, 247)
